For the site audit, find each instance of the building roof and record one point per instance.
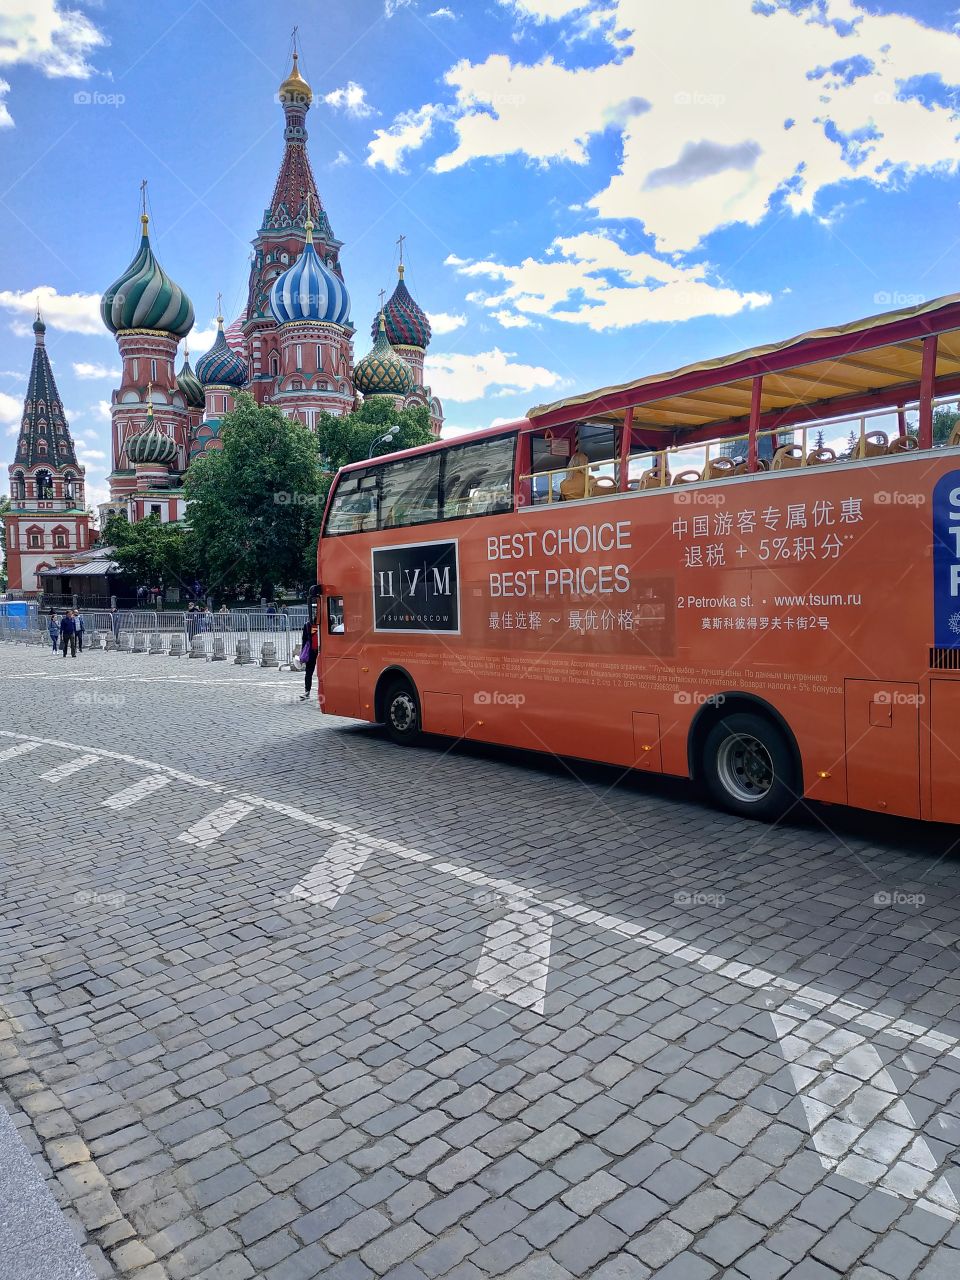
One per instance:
(145, 297)
(309, 290)
(43, 416)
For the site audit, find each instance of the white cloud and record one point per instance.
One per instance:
(390, 7)
(11, 411)
(72, 312)
(351, 98)
(102, 410)
(43, 35)
(86, 454)
(408, 132)
(545, 10)
(461, 377)
(444, 322)
(84, 370)
(6, 119)
(201, 340)
(808, 94)
(511, 320)
(442, 13)
(339, 160)
(591, 279)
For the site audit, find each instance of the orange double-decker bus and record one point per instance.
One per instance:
(680, 575)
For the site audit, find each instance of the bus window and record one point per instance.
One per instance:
(478, 478)
(410, 491)
(354, 506)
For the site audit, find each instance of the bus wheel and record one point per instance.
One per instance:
(402, 713)
(748, 767)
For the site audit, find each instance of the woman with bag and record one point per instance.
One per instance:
(310, 642)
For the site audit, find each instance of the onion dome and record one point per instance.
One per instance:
(406, 323)
(220, 366)
(145, 297)
(295, 88)
(310, 290)
(38, 325)
(151, 445)
(189, 385)
(382, 372)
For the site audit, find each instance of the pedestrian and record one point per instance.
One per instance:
(271, 608)
(81, 627)
(68, 634)
(310, 642)
(53, 630)
(115, 622)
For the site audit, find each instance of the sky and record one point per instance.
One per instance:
(590, 192)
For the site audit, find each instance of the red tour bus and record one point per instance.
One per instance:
(681, 575)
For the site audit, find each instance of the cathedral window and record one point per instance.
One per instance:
(59, 540)
(35, 540)
(42, 448)
(274, 366)
(136, 370)
(319, 356)
(296, 385)
(299, 356)
(153, 370)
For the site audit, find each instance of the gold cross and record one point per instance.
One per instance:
(143, 196)
(383, 294)
(400, 240)
(219, 308)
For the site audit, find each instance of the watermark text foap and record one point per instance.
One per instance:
(896, 898)
(90, 898)
(284, 499)
(94, 98)
(697, 98)
(698, 898)
(898, 498)
(498, 698)
(89, 699)
(898, 698)
(694, 698)
(699, 498)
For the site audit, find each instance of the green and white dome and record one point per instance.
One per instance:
(382, 372)
(145, 297)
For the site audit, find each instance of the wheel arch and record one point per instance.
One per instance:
(721, 705)
(386, 677)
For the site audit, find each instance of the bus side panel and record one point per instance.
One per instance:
(945, 750)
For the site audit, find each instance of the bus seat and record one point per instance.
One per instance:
(577, 484)
(788, 455)
(871, 445)
(819, 457)
(604, 484)
(686, 477)
(719, 468)
(954, 435)
(652, 480)
(743, 468)
(902, 444)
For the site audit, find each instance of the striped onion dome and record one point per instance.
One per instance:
(145, 297)
(150, 445)
(382, 372)
(406, 322)
(189, 385)
(221, 366)
(310, 290)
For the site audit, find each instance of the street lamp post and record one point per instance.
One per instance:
(384, 439)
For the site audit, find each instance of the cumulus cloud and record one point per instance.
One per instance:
(445, 322)
(442, 13)
(409, 131)
(44, 35)
(390, 7)
(808, 94)
(592, 279)
(352, 99)
(84, 370)
(460, 377)
(102, 410)
(72, 312)
(11, 411)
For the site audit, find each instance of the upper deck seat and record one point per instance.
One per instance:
(821, 456)
(687, 477)
(653, 479)
(902, 444)
(954, 435)
(743, 468)
(604, 485)
(719, 468)
(872, 444)
(788, 455)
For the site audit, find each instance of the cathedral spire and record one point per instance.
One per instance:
(45, 438)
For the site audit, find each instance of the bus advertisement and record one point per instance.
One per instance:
(649, 578)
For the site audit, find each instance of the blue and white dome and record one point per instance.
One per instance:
(221, 366)
(309, 290)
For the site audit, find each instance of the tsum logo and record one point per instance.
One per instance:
(416, 587)
(946, 562)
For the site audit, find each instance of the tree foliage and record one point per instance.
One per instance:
(254, 504)
(151, 553)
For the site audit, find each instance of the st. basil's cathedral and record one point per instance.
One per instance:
(291, 347)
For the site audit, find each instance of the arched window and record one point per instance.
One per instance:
(59, 540)
(19, 487)
(299, 356)
(34, 539)
(68, 489)
(275, 366)
(319, 356)
(42, 448)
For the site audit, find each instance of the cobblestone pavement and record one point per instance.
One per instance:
(284, 1000)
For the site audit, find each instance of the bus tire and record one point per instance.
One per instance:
(748, 767)
(401, 713)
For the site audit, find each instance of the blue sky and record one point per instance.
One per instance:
(589, 192)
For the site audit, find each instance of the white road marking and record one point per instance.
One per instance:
(10, 753)
(70, 767)
(131, 795)
(206, 830)
(327, 880)
(860, 1126)
(515, 960)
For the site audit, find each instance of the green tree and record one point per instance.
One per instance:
(944, 420)
(150, 552)
(4, 507)
(253, 505)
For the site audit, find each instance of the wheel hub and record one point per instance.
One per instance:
(745, 767)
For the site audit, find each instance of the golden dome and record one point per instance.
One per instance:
(295, 88)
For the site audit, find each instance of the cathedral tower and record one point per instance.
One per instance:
(47, 519)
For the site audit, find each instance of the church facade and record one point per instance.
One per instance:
(292, 347)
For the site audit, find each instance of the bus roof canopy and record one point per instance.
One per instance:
(867, 364)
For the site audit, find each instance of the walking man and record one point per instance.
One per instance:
(68, 634)
(53, 631)
(310, 636)
(78, 619)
